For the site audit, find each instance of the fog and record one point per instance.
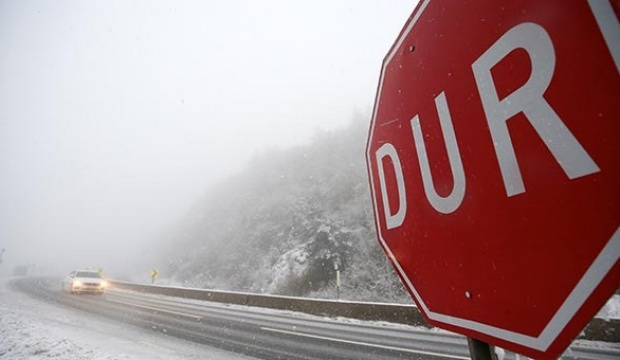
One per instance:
(117, 116)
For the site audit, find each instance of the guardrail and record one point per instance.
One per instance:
(406, 314)
(597, 329)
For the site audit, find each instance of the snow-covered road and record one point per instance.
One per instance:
(32, 329)
(45, 328)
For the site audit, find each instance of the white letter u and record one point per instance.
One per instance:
(450, 203)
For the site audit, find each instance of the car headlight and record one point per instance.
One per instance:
(103, 284)
(76, 283)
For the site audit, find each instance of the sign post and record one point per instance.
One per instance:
(479, 350)
(494, 162)
(336, 267)
(154, 275)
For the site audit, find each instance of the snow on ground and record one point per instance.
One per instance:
(32, 330)
(611, 310)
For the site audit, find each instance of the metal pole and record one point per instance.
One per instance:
(338, 284)
(479, 350)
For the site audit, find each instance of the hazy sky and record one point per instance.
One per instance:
(116, 116)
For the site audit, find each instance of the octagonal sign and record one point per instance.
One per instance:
(494, 164)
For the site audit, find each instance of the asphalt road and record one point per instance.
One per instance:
(270, 334)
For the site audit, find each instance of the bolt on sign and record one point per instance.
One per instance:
(494, 164)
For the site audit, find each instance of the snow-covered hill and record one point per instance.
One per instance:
(285, 222)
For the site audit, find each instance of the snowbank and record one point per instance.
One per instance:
(24, 337)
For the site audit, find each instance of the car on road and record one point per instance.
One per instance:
(84, 281)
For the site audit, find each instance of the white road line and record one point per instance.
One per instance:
(395, 348)
(192, 316)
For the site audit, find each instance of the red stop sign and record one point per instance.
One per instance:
(494, 164)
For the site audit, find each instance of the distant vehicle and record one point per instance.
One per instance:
(84, 281)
